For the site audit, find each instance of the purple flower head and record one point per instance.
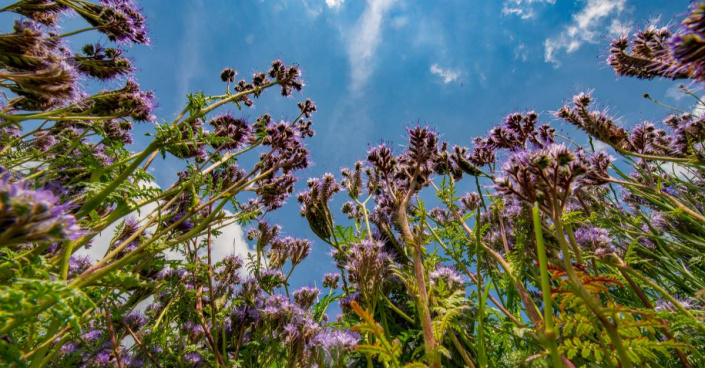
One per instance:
(278, 308)
(440, 215)
(44, 141)
(128, 101)
(299, 249)
(194, 331)
(33, 215)
(92, 336)
(135, 321)
(104, 358)
(119, 130)
(597, 124)
(102, 63)
(228, 75)
(244, 315)
(194, 359)
(591, 237)
(314, 204)
(78, 264)
(367, 264)
(306, 296)
(120, 20)
(230, 272)
(685, 44)
(250, 290)
(45, 12)
(330, 280)
(334, 341)
(470, 202)
(288, 77)
(69, 348)
(233, 132)
(344, 303)
(446, 278)
(271, 279)
(291, 333)
(528, 172)
(168, 274)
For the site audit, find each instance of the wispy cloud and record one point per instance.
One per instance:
(334, 3)
(675, 93)
(448, 75)
(587, 26)
(313, 10)
(523, 8)
(364, 40)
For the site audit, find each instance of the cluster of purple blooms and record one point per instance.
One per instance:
(28, 215)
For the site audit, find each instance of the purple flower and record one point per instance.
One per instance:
(306, 296)
(120, 20)
(28, 215)
(230, 272)
(335, 341)
(591, 237)
(69, 348)
(77, 265)
(135, 321)
(128, 101)
(470, 202)
(270, 279)
(330, 280)
(92, 336)
(233, 132)
(194, 359)
(344, 303)
(194, 331)
(367, 264)
(102, 63)
(314, 204)
(446, 278)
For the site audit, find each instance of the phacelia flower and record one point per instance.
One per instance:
(28, 215)
(306, 296)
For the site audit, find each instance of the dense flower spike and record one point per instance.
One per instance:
(235, 131)
(446, 278)
(595, 123)
(28, 215)
(120, 20)
(367, 265)
(128, 101)
(102, 63)
(314, 204)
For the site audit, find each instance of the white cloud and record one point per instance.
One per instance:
(520, 52)
(399, 22)
(230, 241)
(587, 26)
(675, 93)
(618, 28)
(523, 8)
(364, 40)
(312, 10)
(335, 4)
(447, 75)
(699, 109)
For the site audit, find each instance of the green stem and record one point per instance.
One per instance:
(482, 359)
(39, 355)
(549, 332)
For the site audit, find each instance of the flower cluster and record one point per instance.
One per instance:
(28, 215)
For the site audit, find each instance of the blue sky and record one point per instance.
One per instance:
(376, 66)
